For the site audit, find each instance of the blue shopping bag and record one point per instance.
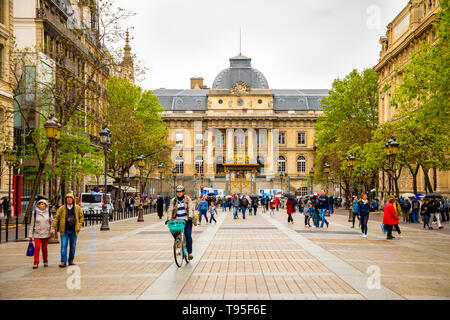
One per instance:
(30, 250)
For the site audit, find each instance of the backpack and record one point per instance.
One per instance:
(415, 205)
(406, 205)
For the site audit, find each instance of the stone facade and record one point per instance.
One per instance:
(240, 134)
(6, 96)
(412, 25)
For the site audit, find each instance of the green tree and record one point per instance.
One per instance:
(136, 127)
(350, 116)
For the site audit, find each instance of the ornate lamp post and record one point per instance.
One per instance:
(392, 150)
(53, 133)
(194, 192)
(10, 158)
(160, 169)
(326, 170)
(105, 140)
(141, 165)
(311, 175)
(351, 161)
(174, 175)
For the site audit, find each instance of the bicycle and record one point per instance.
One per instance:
(176, 227)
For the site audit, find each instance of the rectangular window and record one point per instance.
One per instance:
(179, 139)
(2, 11)
(282, 138)
(301, 138)
(199, 139)
(304, 191)
(220, 140)
(240, 142)
(260, 140)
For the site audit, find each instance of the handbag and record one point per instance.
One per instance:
(383, 227)
(30, 250)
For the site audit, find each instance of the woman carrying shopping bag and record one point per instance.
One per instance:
(41, 223)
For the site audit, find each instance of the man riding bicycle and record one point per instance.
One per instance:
(181, 208)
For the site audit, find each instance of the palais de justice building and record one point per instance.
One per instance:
(240, 135)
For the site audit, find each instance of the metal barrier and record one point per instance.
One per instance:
(91, 217)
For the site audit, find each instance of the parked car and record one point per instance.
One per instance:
(93, 203)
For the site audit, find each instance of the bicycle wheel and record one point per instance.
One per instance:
(178, 251)
(185, 253)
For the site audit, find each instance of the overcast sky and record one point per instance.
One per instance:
(296, 44)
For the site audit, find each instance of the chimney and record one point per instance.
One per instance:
(197, 83)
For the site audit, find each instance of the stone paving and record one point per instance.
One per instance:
(261, 257)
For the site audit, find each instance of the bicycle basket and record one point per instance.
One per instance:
(176, 226)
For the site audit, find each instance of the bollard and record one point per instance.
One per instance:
(7, 229)
(17, 228)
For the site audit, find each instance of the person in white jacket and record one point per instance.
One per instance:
(40, 231)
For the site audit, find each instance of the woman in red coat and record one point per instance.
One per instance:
(290, 210)
(390, 217)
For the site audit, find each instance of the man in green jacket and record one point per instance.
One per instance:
(69, 218)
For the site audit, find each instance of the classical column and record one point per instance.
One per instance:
(270, 155)
(210, 156)
(251, 152)
(230, 146)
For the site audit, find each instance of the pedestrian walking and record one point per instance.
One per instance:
(160, 206)
(290, 209)
(5, 205)
(390, 217)
(364, 209)
(244, 205)
(212, 211)
(415, 209)
(434, 212)
(69, 218)
(235, 205)
(323, 207)
(310, 212)
(203, 209)
(255, 205)
(424, 212)
(40, 232)
(355, 213)
(272, 206)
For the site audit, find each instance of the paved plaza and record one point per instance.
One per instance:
(261, 257)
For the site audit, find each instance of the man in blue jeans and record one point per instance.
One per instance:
(235, 204)
(70, 220)
(202, 210)
(323, 207)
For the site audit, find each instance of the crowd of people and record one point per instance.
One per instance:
(315, 208)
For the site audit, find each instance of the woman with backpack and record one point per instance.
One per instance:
(40, 231)
(424, 212)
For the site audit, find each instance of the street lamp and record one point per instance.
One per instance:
(10, 158)
(105, 140)
(53, 133)
(392, 147)
(174, 174)
(326, 170)
(141, 165)
(160, 169)
(351, 161)
(194, 192)
(311, 175)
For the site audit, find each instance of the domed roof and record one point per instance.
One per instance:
(240, 70)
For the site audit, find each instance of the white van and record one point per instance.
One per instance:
(94, 202)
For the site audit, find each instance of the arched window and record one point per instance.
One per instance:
(301, 164)
(179, 165)
(199, 164)
(281, 164)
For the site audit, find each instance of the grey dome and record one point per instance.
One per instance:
(240, 70)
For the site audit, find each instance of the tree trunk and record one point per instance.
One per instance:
(435, 178)
(37, 181)
(428, 187)
(414, 175)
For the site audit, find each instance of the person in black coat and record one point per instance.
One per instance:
(160, 206)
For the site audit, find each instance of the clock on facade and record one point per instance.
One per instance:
(240, 102)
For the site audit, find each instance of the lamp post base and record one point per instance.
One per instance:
(141, 214)
(105, 225)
